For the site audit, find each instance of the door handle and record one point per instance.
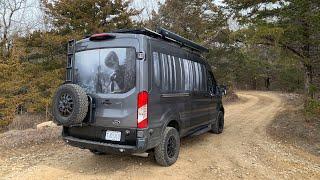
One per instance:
(106, 102)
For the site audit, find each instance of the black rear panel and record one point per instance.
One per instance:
(98, 133)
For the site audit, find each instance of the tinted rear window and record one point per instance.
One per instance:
(110, 70)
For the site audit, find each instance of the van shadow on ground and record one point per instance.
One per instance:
(82, 161)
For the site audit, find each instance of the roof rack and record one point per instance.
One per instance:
(183, 41)
(143, 31)
(166, 35)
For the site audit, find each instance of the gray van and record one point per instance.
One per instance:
(137, 91)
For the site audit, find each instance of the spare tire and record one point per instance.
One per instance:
(70, 105)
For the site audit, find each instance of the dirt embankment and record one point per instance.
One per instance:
(244, 150)
(292, 127)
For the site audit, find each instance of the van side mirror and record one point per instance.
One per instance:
(223, 90)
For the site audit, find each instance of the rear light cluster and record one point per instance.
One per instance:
(142, 119)
(101, 37)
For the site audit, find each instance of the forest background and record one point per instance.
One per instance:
(270, 45)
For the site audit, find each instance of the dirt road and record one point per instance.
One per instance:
(243, 151)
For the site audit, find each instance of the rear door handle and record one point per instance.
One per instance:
(106, 102)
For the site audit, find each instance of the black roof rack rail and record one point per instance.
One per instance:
(143, 31)
(181, 40)
(166, 35)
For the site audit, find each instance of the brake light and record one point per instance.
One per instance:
(142, 119)
(101, 37)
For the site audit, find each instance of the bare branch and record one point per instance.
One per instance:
(9, 10)
(271, 42)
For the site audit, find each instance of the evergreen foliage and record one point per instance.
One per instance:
(275, 48)
(87, 17)
(292, 25)
(36, 67)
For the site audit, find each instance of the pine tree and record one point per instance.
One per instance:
(87, 17)
(198, 20)
(293, 25)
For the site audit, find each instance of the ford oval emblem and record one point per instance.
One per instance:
(116, 122)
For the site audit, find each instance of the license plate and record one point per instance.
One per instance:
(113, 135)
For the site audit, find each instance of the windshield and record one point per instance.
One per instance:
(110, 70)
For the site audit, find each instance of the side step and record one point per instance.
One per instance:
(144, 155)
(200, 130)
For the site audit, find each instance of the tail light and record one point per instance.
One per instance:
(142, 119)
(101, 37)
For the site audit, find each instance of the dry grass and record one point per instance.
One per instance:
(292, 126)
(26, 121)
(22, 132)
(25, 138)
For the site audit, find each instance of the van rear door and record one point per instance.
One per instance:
(109, 76)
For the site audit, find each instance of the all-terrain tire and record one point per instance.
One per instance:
(163, 154)
(218, 125)
(78, 101)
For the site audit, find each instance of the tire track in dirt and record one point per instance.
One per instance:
(243, 151)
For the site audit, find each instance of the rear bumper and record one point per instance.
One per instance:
(106, 147)
(93, 138)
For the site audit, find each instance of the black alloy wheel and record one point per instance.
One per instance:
(66, 105)
(69, 105)
(167, 152)
(221, 123)
(171, 146)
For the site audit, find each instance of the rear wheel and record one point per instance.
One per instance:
(218, 125)
(167, 152)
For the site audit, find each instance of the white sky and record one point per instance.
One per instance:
(28, 18)
(33, 17)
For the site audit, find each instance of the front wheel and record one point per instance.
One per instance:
(167, 152)
(218, 125)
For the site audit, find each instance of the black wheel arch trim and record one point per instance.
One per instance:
(168, 117)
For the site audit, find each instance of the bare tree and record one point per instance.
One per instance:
(9, 10)
(147, 7)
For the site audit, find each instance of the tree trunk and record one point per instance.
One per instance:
(5, 44)
(308, 82)
(267, 83)
(46, 112)
(254, 83)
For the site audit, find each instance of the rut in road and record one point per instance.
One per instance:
(243, 151)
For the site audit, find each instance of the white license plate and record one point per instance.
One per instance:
(113, 136)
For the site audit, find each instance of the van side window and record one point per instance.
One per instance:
(156, 69)
(171, 81)
(192, 78)
(177, 79)
(204, 78)
(199, 76)
(211, 84)
(182, 75)
(174, 74)
(196, 73)
(186, 74)
(165, 73)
